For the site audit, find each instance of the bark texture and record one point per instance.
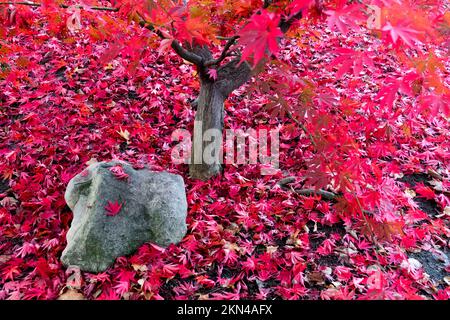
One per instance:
(210, 113)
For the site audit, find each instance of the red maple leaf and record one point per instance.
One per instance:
(424, 191)
(436, 103)
(113, 208)
(384, 230)
(298, 5)
(350, 59)
(343, 17)
(402, 31)
(193, 29)
(118, 172)
(260, 35)
(122, 287)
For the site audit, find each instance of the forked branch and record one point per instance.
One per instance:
(224, 53)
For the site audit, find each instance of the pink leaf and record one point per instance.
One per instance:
(212, 73)
(164, 46)
(118, 172)
(401, 31)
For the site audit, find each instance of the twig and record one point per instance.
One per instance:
(327, 195)
(225, 38)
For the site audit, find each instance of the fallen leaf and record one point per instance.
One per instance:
(113, 208)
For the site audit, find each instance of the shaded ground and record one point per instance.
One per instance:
(436, 264)
(429, 206)
(4, 186)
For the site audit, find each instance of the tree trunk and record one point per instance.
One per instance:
(206, 152)
(208, 127)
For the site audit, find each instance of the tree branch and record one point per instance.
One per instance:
(327, 195)
(65, 6)
(233, 75)
(223, 38)
(267, 3)
(176, 46)
(186, 54)
(285, 181)
(224, 53)
(285, 24)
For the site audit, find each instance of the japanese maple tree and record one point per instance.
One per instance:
(231, 41)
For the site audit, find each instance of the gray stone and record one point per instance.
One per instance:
(153, 209)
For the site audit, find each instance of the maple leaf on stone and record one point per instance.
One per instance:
(118, 172)
(361, 139)
(260, 36)
(113, 208)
